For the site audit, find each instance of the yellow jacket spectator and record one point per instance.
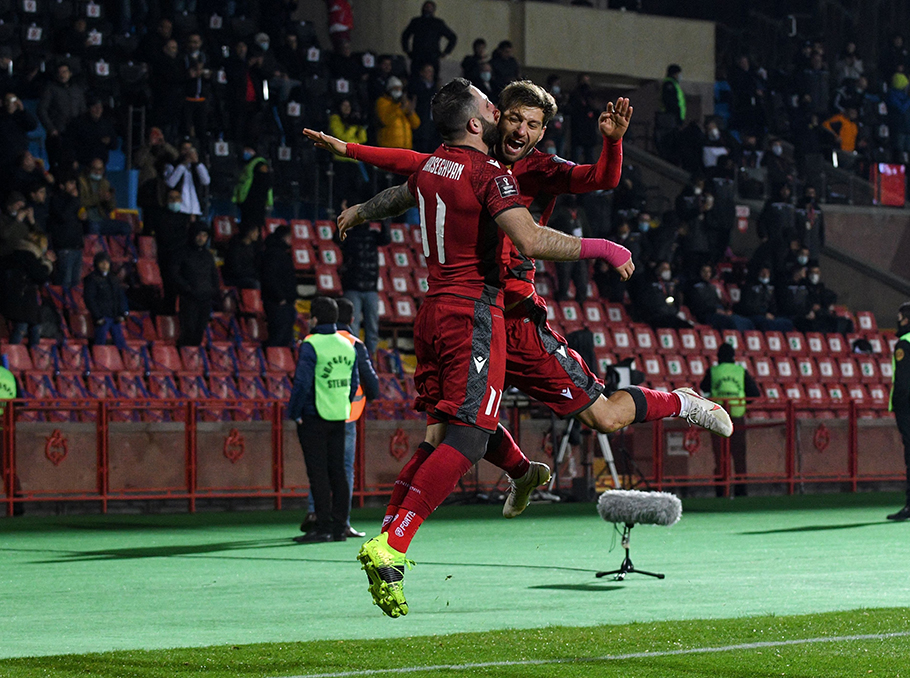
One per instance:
(396, 116)
(345, 126)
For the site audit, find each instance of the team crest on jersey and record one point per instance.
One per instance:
(493, 162)
(507, 186)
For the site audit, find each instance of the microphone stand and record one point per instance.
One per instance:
(627, 567)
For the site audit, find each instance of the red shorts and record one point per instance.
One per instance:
(541, 365)
(461, 360)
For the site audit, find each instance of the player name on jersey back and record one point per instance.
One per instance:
(448, 169)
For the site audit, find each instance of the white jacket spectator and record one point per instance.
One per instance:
(187, 172)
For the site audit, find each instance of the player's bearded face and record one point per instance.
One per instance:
(521, 128)
(490, 134)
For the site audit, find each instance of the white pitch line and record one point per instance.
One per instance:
(605, 658)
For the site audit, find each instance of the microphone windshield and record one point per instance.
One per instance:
(639, 508)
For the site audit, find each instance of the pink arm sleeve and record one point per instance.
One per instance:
(397, 160)
(601, 176)
(596, 248)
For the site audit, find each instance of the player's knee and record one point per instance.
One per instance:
(470, 441)
(602, 417)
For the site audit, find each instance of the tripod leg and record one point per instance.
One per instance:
(650, 574)
(607, 453)
(563, 447)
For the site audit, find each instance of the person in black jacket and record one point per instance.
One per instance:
(106, 301)
(359, 273)
(66, 234)
(15, 124)
(279, 287)
(242, 260)
(758, 304)
(92, 134)
(27, 267)
(570, 217)
(420, 40)
(171, 235)
(196, 277)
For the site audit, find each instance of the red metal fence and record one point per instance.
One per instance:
(110, 450)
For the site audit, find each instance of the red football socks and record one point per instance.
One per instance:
(403, 482)
(660, 404)
(434, 481)
(508, 456)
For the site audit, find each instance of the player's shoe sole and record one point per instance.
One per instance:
(520, 494)
(385, 568)
(707, 414)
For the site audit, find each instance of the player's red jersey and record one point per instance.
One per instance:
(459, 192)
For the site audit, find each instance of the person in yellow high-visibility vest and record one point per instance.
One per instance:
(325, 383)
(730, 384)
(368, 390)
(900, 394)
(8, 391)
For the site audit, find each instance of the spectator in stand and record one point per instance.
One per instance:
(379, 79)
(422, 37)
(699, 231)
(657, 298)
(243, 259)
(822, 302)
(845, 128)
(29, 172)
(359, 275)
(629, 197)
(849, 68)
(899, 116)
(291, 58)
(758, 303)
(15, 124)
(97, 196)
(253, 192)
(66, 234)
(62, 102)
(810, 223)
(396, 117)
(570, 217)
(716, 144)
(25, 269)
(151, 160)
(367, 390)
(556, 128)
(153, 42)
(341, 22)
(706, 304)
(105, 299)
(894, 58)
(350, 177)
(485, 81)
(243, 92)
(172, 228)
(747, 90)
(672, 97)
(608, 282)
(185, 175)
(37, 203)
(16, 223)
(781, 169)
(196, 277)
(92, 134)
(730, 384)
(279, 287)
(777, 223)
(421, 90)
(583, 116)
(814, 84)
(168, 82)
(505, 66)
(197, 89)
(470, 65)
(344, 65)
(793, 300)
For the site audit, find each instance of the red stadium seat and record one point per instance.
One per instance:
(404, 309)
(253, 329)
(163, 385)
(194, 359)
(251, 302)
(222, 359)
(327, 280)
(251, 385)
(645, 342)
(653, 366)
(603, 342)
(107, 359)
(734, 338)
(827, 370)
(885, 369)
(271, 223)
(865, 322)
(149, 274)
(807, 369)
(325, 231)
(329, 254)
(401, 257)
(796, 343)
(71, 385)
(815, 342)
(148, 249)
(224, 227)
(868, 370)
(697, 366)
(594, 314)
(81, 326)
(19, 358)
(279, 359)
(135, 356)
(401, 280)
(837, 392)
(667, 340)
(138, 325)
(278, 385)
(776, 343)
(816, 392)
(783, 369)
(384, 308)
(422, 285)
(677, 369)
(616, 314)
(74, 356)
(836, 344)
(754, 342)
(688, 341)
(301, 231)
(91, 245)
(847, 369)
(604, 362)
(571, 316)
(794, 392)
(879, 393)
(622, 340)
(544, 286)
(168, 328)
(75, 300)
(165, 357)
(304, 257)
(38, 385)
(709, 341)
(44, 355)
(764, 370)
(249, 358)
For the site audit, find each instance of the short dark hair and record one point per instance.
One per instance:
(345, 311)
(904, 310)
(453, 106)
(526, 93)
(725, 353)
(324, 309)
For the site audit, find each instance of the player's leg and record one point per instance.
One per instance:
(436, 431)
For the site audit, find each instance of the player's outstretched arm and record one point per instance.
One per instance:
(397, 160)
(614, 121)
(327, 142)
(604, 175)
(389, 203)
(541, 242)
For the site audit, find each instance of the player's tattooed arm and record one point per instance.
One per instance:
(388, 203)
(538, 242)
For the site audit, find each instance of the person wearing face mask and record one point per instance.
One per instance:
(658, 299)
(197, 90)
(350, 176)
(106, 302)
(781, 169)
(422, 38)
(485, 80)
(758, 303)
(171, 233)
(253, 192)
(421, 89)
(97, 196)
(899, 402)
(396, 117)
(185, 174)
(810, 223)
(470, 65)
(716, 144)
(608, 282)
(822, 302)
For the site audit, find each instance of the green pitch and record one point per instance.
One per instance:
(117, 594)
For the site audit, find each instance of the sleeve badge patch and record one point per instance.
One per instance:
(899, 354)
(507, 186)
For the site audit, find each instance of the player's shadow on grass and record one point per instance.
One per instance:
(593, 586)
(815, 528)
(168, 551)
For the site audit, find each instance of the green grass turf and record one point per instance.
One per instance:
(73, 585)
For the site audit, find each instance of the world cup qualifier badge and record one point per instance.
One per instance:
(507, 186)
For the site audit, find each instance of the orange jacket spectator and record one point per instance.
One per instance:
(843, 126)
(396, 116)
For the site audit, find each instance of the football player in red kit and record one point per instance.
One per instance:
(467, 202)
(539, 362)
